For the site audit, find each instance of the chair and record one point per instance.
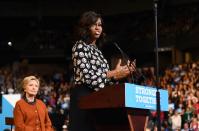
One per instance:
(9, 121)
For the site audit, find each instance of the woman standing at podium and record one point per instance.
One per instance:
(91, 69)
(31, 114)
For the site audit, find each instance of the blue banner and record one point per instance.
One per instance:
(144, 97)
(8, 103)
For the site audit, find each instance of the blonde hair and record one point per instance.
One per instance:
(27, 79)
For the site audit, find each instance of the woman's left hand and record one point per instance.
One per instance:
(132, 66)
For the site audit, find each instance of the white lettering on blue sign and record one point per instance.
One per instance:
(145, 99)
(144, 91)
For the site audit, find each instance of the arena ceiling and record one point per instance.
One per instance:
(38, 8)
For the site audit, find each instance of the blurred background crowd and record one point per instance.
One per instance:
(181, 81)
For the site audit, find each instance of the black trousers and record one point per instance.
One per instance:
(79, 119)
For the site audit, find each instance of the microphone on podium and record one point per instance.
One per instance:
(138, 75)
(124, 55)
(126, 59)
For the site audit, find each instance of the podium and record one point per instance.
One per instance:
(136, 100)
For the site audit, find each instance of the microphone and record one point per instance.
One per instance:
(126, 58)
(124, 55)
(138, 75)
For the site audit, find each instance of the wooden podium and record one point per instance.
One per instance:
(113, 97)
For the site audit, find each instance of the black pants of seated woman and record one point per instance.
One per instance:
(79, 119)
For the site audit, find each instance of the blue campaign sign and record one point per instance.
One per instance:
(144, 97)
(8, 103)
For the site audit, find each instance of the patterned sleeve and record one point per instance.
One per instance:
(87, 70)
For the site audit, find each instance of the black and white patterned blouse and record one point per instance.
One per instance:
(90, 66)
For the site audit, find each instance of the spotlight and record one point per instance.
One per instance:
(9, 43)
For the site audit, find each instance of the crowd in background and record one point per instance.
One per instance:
(181, 81)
